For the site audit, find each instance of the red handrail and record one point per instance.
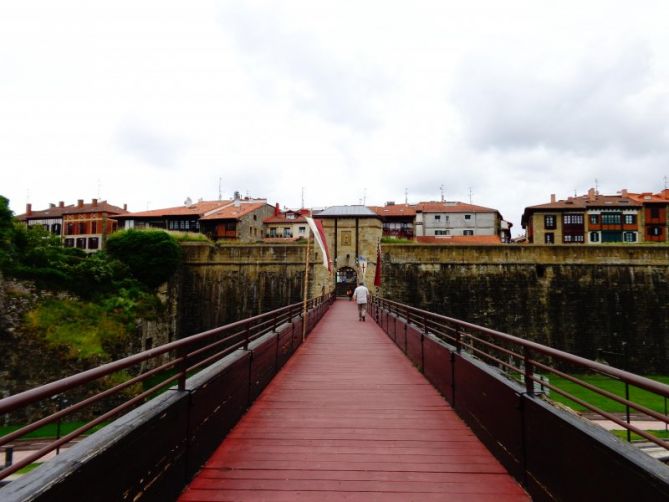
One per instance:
(472, 338)
(190, 354)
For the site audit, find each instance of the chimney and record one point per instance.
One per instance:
(61, 203)
(237, 201)
(29, 209)
(80, 203)
(552, 198)
(277, 210)
(591, 194)
(51, 205)
(95, 202)
(125, 207)
(624, 192)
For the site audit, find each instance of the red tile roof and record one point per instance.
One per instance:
(476, 240)
(58, 211)
(452, 207)
(232, 212)
(195, 209)
(101, 206)
(648, 198)
(52, 212)
(584, 201)
(395, 210)
(281, 218)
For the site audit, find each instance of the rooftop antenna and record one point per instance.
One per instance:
(302, 206)
(99, 187)
(665, 182)
(220, 196)
(470, 195)
(596, 186)
(441, 187)
(364, 196)
(406, 195)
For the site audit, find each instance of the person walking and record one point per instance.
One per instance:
(360, 296)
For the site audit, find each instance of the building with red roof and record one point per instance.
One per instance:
(442, 219)
(286, 225)
(81, 225)
(593, 218)
(239, 219)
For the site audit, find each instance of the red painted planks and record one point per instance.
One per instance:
(349, 418)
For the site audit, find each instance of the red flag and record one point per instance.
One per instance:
(319, 236)
(377, 273)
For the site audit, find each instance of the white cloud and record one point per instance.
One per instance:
(148, 102)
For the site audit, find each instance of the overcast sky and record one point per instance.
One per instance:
(150, 102)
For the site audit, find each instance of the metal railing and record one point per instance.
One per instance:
(531, 364)
(169, 364)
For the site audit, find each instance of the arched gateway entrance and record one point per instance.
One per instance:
(346, 278)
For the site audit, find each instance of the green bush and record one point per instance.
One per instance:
(151, 256)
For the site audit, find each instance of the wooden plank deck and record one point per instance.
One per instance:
(349, 418)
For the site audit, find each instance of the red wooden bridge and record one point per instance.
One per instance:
(350, 418)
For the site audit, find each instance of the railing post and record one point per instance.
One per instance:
(182, 366)
(529, 384)
(458, 340)
(627, 411)
(247, 335)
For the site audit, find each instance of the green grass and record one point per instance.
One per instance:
(189, 236)
(28, 468)
(50, 430)
(622, 434)
(396, 240)
(80, 326)
(645, 398)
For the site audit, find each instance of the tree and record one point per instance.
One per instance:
(152, 256)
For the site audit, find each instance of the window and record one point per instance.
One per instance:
(69, 243)
(573, 219)
(654, 231)
(272, 232)
(579, 238)
(442, 232)
(611, 218)
(94, 227)
(629, 236)
(303, 230)
(467, 232)
(437, 217)
(286, 232)
(630, 219)
(566, 238)
(654, 212)
(93, 243)
(70, 228)
(290, 216)
(255, 217)
(81, 242)
(468, 216)
(549, 238)
(594, 236)
(549, 221)
(594, 219)
(55, 229)
(82, 228)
